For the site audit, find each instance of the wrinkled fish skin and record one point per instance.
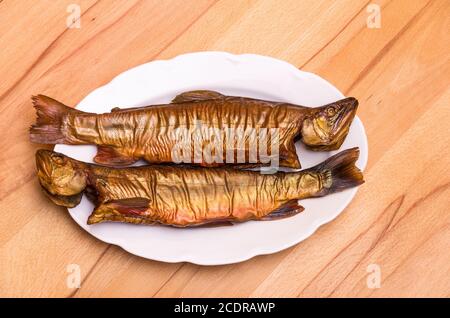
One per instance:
(127, 135)
(184, 197)
(180, 196)
(158, 124)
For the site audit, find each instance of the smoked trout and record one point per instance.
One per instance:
(260, 132)
(181, 196)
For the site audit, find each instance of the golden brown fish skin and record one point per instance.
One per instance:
(183, 197)
(180, 196)
(124, 136)
(148, 133)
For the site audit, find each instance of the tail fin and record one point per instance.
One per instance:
(50, 114)
(339, 172)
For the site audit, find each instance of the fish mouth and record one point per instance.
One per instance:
(346, 115)
(343, 122)
(43, 157)
(42, 153)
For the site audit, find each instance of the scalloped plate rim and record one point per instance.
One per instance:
(257, 250)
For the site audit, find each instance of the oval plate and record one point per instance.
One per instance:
(242, 75)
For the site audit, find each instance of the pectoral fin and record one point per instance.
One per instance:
(123, 210)
(192, 96)
(110, 156)
(129, 206)
(288, 209)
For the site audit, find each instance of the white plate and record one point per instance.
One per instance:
(245, 75)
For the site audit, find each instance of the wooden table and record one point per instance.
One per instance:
(397, 227)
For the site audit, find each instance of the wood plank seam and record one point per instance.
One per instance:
(377, 59)
(44, 53)
(168, 279)
(337, 34)
(114, 23)
(165, 47)
(406, 57)
(360, 236)
(387, 48)
(105, 29)
(90, 272)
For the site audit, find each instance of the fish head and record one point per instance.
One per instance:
(60, 175)
(326, 127)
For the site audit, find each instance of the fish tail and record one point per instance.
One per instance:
(50, 115)
(339, 172)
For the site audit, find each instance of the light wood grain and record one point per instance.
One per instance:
(400, 218)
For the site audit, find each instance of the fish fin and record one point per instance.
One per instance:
(110, 156)
(116, 109)
(288, 157)
(288, 209)
(122, 210)
(193, 96)
(50, 114)
(215, 224)
(130, 206)
(339, 172)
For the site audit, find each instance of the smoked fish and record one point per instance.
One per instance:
(190, 196)
(124, 136)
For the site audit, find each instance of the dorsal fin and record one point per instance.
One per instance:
(192, 96)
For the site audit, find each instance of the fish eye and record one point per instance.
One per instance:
(331, 111)
(58, 159)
